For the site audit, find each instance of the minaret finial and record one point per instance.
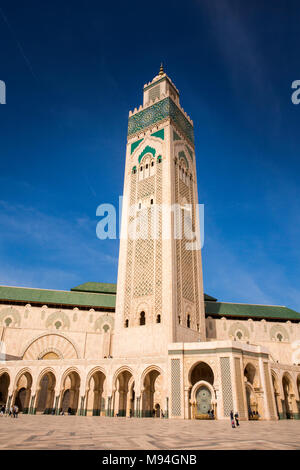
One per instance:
(161, 70)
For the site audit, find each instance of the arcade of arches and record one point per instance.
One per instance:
(143, 396)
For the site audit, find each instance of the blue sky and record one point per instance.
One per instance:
(73, 70)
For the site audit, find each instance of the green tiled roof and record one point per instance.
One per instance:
(209, 297)
(224, 309)
(80, 299)
(96, 287)
(103, 295)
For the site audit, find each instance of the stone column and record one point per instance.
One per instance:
(266, 388)
(32, 407)
(186, 403)
(81, 410)
(56, 405)
(127, 410)
(27, 401)
(8, 402)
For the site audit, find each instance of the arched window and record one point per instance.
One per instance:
(279, 337)
(239, 335)
(141, 169)
(142, 318)
(57, 325)
(8, 321)
(188, 322)
(159, 159)
(158, 319)
(126, 323)
(152, 163)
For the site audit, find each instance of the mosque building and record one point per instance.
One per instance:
(154, 345)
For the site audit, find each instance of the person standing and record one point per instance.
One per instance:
(236, 417)
(15, 411)
(232, 419)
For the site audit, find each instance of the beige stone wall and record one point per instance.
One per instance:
(32, 331)
(286, 351)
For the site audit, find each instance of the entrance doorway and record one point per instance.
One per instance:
(203, 400)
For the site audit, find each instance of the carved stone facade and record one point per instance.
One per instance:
(160, 347)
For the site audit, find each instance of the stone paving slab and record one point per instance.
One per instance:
(76, 432)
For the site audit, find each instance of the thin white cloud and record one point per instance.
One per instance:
(69, 244)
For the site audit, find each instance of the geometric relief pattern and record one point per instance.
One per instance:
(279, 329)
(60, 316)
(226, 385)
(238, 326)
(186, 255)
(101, 321)
(130, 250)
(10, 312)
(158, 244)
(175, 387)
(196, 269)
(239, 388)
(178, 253)
(48, 343)
(144, 248)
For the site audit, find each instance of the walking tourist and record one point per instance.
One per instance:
(2, 410)
(15, 411)
(236, 417)
(232, 419)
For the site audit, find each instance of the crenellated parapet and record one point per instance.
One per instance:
(152, 102)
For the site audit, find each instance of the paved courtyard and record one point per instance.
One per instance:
(75, 432)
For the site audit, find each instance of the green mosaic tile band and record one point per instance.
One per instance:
(135, 145)
(157, 112)
(147, 149)
(160, 134)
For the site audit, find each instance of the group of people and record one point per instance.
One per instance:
(62, 412)
(234, 418)
(13, 411)
(253, 414)
(211, 414)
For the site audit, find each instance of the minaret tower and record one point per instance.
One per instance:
(160, 287)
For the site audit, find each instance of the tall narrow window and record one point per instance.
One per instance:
(126, 323)
(158, 319)
(188, 322)
(142, 318)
